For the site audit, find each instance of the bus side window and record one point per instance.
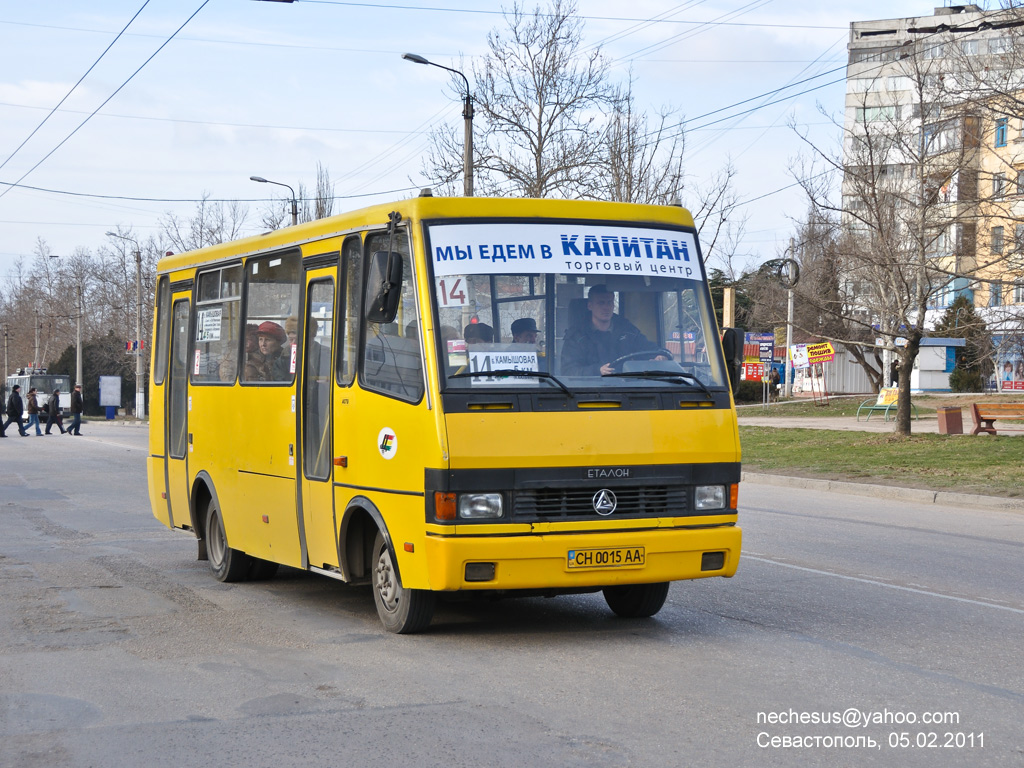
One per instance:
(392, 363)
(218, 307)
(272, 297)
(163, 330)
(348, 341)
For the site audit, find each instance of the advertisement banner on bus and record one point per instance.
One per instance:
(502, 248)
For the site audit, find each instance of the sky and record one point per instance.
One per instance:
(174, 100)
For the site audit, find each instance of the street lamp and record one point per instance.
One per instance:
(140, 389)
(467, 116)
(295, 202)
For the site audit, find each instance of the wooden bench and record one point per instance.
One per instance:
(886, 403)
(986, 414)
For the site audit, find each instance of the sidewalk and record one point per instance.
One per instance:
(928, 423)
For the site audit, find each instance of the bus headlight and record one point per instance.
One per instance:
(479, 506)
(709, 497)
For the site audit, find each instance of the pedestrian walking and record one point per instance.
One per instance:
(15, 409)
(77, 406)
(53, 413)
(32, 403)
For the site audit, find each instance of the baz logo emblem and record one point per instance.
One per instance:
(605, 502)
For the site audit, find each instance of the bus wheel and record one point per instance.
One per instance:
(226, 563)
(636, 601)
(401, 610)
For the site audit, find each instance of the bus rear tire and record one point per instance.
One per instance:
(402, 611)
(226, 563)
(636, 601)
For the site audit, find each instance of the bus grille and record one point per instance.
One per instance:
(574, 503)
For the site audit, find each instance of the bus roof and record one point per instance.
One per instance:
(426, 207)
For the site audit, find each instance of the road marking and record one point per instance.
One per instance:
(875, 582)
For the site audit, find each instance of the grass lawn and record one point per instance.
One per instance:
(986, 465)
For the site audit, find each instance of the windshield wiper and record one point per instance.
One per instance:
(515, 372)
(677, 377)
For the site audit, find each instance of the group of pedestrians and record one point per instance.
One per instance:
(16, 412)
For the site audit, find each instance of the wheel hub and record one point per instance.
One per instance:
(387, 587)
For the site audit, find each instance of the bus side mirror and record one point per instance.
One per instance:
(732, 350)
(384, 286)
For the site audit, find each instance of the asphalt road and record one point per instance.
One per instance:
(117, 648)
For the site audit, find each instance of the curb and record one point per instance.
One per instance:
(917, 495)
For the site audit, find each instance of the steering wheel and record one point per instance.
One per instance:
(644, 354)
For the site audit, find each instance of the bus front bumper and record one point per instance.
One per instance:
(580, 560)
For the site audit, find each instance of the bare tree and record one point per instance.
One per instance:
(908, 203)
(539, 101)
(641, 157)
(719, 225)
(211, 224)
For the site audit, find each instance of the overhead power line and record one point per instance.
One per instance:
(72, 90)
(111, 96)
(483, 12)
(127, 198)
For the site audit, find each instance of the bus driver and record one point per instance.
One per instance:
(590, 350)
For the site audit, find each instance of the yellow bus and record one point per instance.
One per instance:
(494, 397)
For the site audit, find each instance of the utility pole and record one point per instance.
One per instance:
(78, 340)
(35, 350)
(140, 388)
(787, 366)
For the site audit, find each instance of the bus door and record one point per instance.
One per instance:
(315, 418)
(176, 419)
(262, 516)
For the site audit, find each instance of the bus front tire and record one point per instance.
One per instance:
(636, 601)
(402, 611)
(226, 563)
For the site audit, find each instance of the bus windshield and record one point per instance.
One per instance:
(592, 306)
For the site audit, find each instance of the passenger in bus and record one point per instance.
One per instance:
(228, 366)
(478, 333)
(524, 331)
(594, 344)
(268, 362)
(291, 329)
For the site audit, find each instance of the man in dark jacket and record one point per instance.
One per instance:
(15, 409)
(590, 350)
(77, 406)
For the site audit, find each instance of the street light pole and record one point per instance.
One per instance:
(140, 388)
(467, 117)
(294, 201)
